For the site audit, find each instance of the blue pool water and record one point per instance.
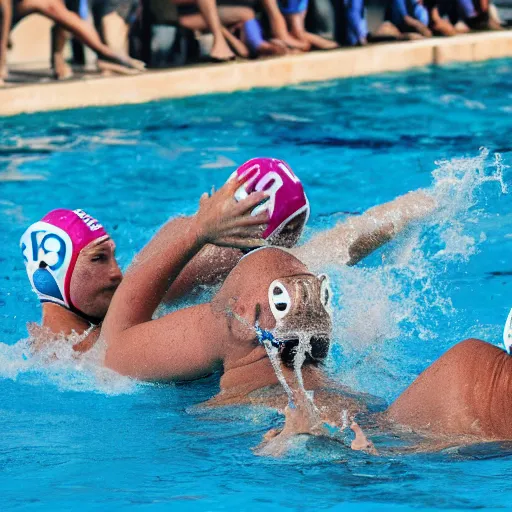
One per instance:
(73, 437)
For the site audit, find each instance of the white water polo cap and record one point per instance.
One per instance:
(507, 333)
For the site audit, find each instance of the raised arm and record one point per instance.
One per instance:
(209, 267)
(142, 347)
(351, 241)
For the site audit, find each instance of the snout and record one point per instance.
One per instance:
(317, 348)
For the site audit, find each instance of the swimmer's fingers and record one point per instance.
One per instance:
(247, 228)
(248, 204)
(249, 221)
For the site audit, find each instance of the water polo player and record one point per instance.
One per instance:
(345, 244)
(288, 208)
(71, 265)
(269, 322)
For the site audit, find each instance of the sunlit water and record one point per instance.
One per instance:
(74, 435)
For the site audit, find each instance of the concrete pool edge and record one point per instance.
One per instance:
(238, 76)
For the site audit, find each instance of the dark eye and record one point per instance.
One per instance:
(325, 291)
(99, 257)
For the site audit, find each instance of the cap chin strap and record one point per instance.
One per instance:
(90, 319)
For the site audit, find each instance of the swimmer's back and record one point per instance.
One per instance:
(467, 391)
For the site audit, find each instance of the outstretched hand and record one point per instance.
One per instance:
(225, 222)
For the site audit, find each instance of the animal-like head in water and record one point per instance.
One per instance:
(273, 289)
(301, 306)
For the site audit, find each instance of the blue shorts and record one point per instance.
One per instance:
(397, 10)
(293, 6)
(351, 23)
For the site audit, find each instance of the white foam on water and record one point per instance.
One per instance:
(56, 363)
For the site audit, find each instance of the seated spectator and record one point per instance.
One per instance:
(203, 15)
(239, 17)
(474, 13)
(408, 16)
(295, 12)
(451, 17)
(112, 21)
(13, 11)
(351, 28)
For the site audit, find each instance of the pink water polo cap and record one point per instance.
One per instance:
(287, 197)
(50, 248)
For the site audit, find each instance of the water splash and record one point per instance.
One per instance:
(399, 296)
(58, 364)
(303, 348)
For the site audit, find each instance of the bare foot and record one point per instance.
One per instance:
(274, 47)
(221, 50)
(61, 69)
(134, 68)
(235, 43)
(412, 36)
(293, 42)
(319, 42)
(461, 28)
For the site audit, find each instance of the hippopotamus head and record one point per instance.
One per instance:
(273, 289)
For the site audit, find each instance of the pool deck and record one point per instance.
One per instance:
(236, 76)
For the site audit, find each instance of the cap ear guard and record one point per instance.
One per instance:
(47, 252)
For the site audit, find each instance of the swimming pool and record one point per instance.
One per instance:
(75, 438)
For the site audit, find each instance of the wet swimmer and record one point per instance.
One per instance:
(288, 207)
(347, 243)
(71, 265)
(269, 329)
(465, 396)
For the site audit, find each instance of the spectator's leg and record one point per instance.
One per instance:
(228, 16)
(235, 16)
(220, 49)
(439, 25)
(60, 67)
(5, 28)
(251, 33)
(279, 28)
(115, 32)
(296, 22)
(57, 11)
